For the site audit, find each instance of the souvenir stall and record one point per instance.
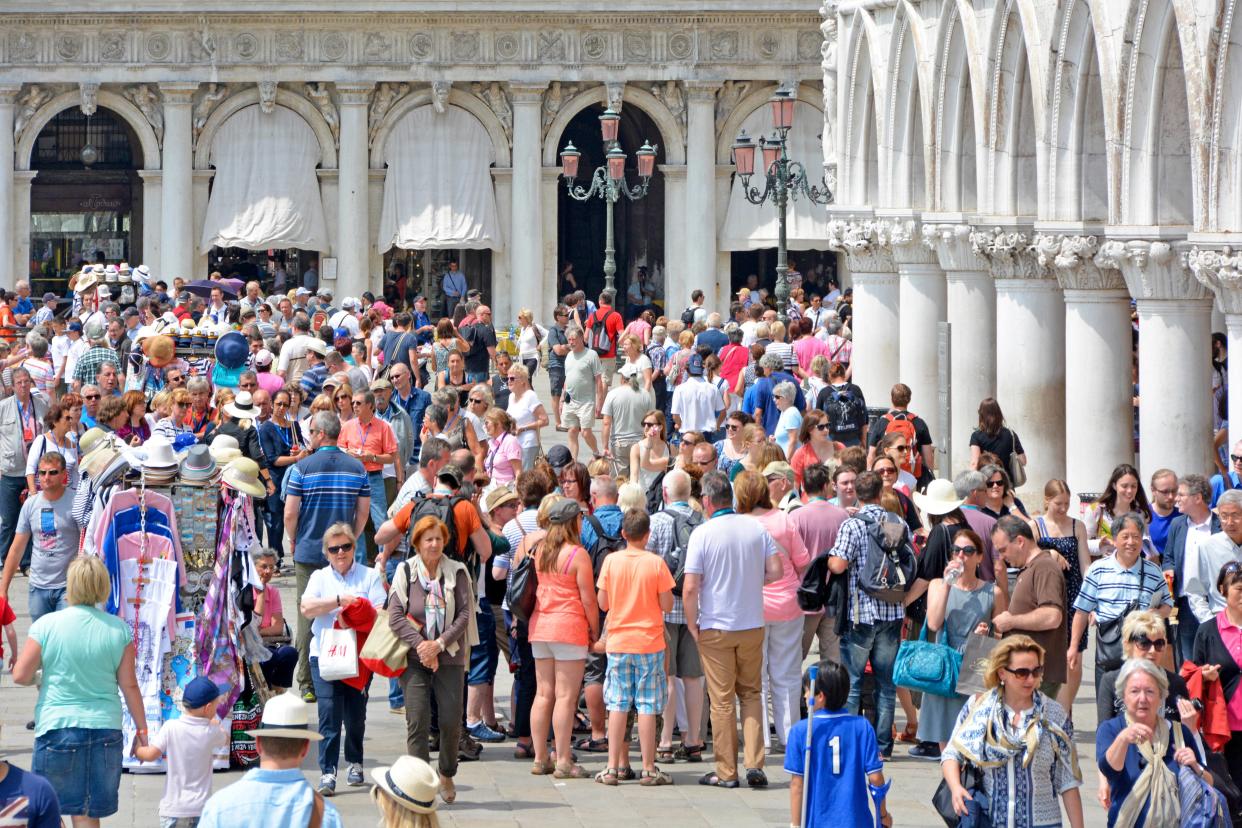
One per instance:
(175, 530)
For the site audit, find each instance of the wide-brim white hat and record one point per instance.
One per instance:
(242, 474)
(158, 455)
(940, 499)
(410, 782)
(224, 448)
(287, 716)
(242, 407)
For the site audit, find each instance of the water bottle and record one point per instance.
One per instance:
(951, 577)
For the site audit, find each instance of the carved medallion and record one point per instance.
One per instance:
(288, 46)
(724, 45)
(112, 46)
(69, 46)
(377, 47)
(809, 44)
(464, 46)
(680, 46)
(421, 45)
(333, 46)
(637, 46)
(246, 45)
(158, 46)
(767, 45)
(507, 46)
(594, 45)
(551, 46)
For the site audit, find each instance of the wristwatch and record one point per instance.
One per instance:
(440, 644)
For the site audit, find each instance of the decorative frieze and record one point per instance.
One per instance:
(1009, 253)
(147, 98)
(1152, 269)
(1221, 272)
(953, 247)
(865, 244)
(1075, 261)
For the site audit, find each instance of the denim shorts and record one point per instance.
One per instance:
(485, 656)
(636, 681)
(84, 767)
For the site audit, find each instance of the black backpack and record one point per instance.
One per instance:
(846, 410)
(889, 567)
(441, 508)
(683, 526)
(605, 544)
(687, 316)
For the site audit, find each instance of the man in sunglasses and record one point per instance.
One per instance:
(1037, 605)
(46, 520)
(1219, 483)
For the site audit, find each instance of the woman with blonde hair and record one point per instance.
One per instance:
(635, 358)
(530, 337)
(405, 794)
(323, 402)
(1022, 741)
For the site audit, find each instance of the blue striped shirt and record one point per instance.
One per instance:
(329, 483)
(1109, 588)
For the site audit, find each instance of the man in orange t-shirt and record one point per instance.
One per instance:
(635, 589)
(373, 442)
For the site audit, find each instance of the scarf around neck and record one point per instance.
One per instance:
(985, 739)
(1156, 787)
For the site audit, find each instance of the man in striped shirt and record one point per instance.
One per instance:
(328, 487)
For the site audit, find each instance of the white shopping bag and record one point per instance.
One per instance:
(338, 655)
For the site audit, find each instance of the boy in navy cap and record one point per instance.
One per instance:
(187, 743)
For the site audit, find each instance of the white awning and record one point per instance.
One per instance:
(265, 192)
(751, 227)
(438, 191)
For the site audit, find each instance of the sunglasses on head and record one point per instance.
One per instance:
(1144, 643)
(1026, 672)
(337, 550)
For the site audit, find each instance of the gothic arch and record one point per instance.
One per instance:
(105, 99)
(860, 173)
(671, 137)
(1079, 167)
(1158, 185)
(727, 131)
(463, 100)
(1012, 131)
(284, 97)
(905, 142)
(958, 112)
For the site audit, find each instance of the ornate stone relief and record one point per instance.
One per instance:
(1152, 269)
(90, 97)
(147, 99)
(385, 95)
(28, 104)
(1077, 263)
(333, 46)
(828, 63)
(865, 244)
(212, 94)
(112, 47)
(439, 94)
(953, 248)
(551, 47)
(637, 46)
(731, 92)
(321, 96)
(23, 46)
(670, 94)
(267, 96)
(1221, 272)
(767, 44)
(377, 47)
(464, 47)
(497, 99)
(616, 95)
(1009, 253)
(507, 46)
(910, 244)
(556, 96)
(725, 45)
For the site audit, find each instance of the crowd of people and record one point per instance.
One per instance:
(725, 503)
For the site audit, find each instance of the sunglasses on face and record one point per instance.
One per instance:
(902, 449)
(48, 472)
(886, 472)
(1026, 672)
(966, 550)
(90, 396)
(337, 550)
(474, 401)
(1145, 643)
(821, 426)
(731, 427)
(1237, 458)
(280, 404)
(996, 484)
(651, 425)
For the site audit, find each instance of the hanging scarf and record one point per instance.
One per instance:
(1156, 787)
(216, 636)
(986, 741)
(434, 607)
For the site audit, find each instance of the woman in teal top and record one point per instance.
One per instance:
(86, 655)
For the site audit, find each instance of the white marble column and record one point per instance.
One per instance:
(8, 227)
(177, 238)
(971, 313)
(353, 186)
(526, 239)
(1030, 353)
(922, 297)
(876, 297)
(502, 292)
(1098, 407)
(1175, 316)
(698, 264)
(152, 219)
(1221, 272)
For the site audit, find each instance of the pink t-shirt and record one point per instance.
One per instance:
(1231, 636)
(806, 349)
(269, 382)
(272, 608)
(640, 329)
(500, 454)
(780, 598)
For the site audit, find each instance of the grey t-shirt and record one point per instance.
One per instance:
(55, 537)
(627, 408)
(580, 373)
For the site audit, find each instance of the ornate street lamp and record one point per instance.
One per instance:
(608, 182)
(784, 179)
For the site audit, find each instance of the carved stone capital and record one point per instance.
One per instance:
(1152, 269)
(1009, 253)
(865, 244)
(9, 93)
(178, 93)
(354, 94)
(1221, 272)
(702, 91)
(90, 97)
(1074, 261)
(527, 93)
(953, 248)
(909, 244)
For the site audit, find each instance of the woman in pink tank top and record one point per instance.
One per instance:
(564, 624)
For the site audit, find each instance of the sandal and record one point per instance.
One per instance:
(608, 776)
(715, 781)
(909, 736)
(542, 768)
(589, 745)
(756, 778)
(653, 778)
(691, 753)
(666, 754)
(569, 772)
(582, 724)
(521, 750)
(626, 774)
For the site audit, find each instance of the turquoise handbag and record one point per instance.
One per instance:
(927, 666)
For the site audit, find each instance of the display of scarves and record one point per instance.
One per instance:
(149, 590)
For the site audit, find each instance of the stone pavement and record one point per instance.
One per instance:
(499, 790)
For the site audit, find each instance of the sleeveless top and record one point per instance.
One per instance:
(559, 615)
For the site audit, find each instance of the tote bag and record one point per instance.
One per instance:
(974, 664)
(927, 666)
(338, 655)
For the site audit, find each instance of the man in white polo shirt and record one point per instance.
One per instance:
(697, 404)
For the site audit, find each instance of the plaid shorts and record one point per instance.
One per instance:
(636, 681)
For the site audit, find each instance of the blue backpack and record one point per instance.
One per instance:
(1202, 805)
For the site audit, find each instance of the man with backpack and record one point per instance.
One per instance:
(603, 331)
(695, 312)
(845, 406)
(875, 549)
(601, 536)
(900, 419)
(670, 536)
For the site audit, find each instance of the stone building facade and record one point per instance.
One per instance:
(167, 77)
(1035, 173)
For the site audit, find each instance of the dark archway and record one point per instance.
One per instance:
(638, 225)
(79, 211)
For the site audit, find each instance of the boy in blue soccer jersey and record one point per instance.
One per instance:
(846, 770)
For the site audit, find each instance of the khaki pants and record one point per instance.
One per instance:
(733, 666)
(302, 573)
(823, 626)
